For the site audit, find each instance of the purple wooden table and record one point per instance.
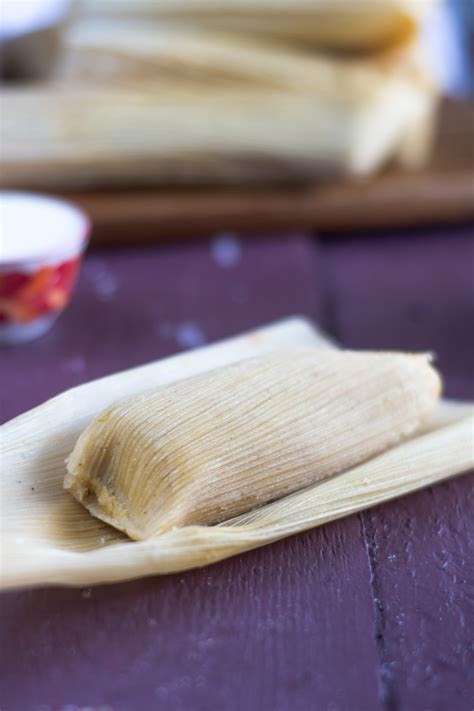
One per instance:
(374, 612)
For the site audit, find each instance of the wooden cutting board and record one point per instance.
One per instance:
(443, 191)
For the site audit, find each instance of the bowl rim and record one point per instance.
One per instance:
(50, 17)
(53, 255)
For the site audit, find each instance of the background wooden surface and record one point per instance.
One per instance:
(441, 191)
(371, 613)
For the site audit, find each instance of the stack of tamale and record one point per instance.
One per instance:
(236, 91)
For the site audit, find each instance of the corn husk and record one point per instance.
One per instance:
(211, 447)
(142, 103)
(129, 53)
(358, 25)
(164, 93)
(354, 117)
(103, 51)
(47, 537)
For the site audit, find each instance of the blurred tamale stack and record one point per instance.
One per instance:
(161, 92)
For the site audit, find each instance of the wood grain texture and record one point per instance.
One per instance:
(443, 191)
(263, 631)
(420, 554)
(295, 625)
(416, 293)
(419, 549)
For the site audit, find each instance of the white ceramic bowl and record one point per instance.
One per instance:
(30, 36)
(41, 246)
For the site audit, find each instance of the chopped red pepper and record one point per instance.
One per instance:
(24, 297)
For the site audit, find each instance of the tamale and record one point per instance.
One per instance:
(219, 444)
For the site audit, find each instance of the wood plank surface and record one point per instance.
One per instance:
(420, 552)
(267, 631)
(386, 295)
(370, 613)
(443, 191)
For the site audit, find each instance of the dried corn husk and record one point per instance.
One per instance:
(331, 24)
(141, 103)
(128, 54)
(447, 413)
(172, 101)
(355, 117)
(123, 51)
(47, 537)
(211, 447)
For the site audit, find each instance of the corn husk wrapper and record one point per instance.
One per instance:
(128, 53)
(47, 537)
(170, 93)
(340, 118)
(358, 25)
(103, 51)
(219, 444)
